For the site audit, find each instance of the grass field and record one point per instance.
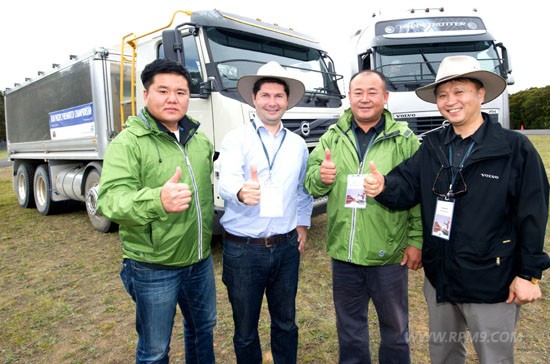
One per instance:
(62, 301)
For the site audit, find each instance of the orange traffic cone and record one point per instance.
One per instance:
(521, 127)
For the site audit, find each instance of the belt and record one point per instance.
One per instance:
(267, 241)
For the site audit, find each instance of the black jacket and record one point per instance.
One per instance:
(498, 224)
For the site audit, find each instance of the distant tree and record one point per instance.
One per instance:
(516, 118)
(530, 108)
(543, 117)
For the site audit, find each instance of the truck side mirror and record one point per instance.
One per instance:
(363, 60)
(172, 45)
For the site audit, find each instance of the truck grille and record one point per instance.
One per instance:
(421, 125)
(309, 129)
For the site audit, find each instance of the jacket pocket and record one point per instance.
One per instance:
(481, 271)
(163, 236)
(233, 250)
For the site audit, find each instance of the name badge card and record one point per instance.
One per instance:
(271, 201)
(355, 193)
(443, 218)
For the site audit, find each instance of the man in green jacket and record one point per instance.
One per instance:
(156, 185)
(370, 246)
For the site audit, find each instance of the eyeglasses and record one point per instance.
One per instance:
(453, 182)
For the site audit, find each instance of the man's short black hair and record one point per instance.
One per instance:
(373, 72)
(163, 66)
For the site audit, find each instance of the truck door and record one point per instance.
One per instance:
(183, 45)
(200, 107)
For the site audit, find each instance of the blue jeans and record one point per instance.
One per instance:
(156, 293)
(353, 287)
(249, 271)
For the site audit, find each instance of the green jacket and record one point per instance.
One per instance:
(376, 235)
(138, 162)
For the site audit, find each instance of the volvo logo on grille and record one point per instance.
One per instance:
(304, 128)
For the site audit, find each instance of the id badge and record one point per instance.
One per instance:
(271, 201)
(355, 192)
(443, 218)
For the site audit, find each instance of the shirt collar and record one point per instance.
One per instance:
(378, 128)
(477, 136)
(258, 125)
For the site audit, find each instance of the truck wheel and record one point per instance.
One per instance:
(99, 222)
(22, 184)
(43, 190)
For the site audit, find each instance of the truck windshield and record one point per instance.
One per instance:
(410, 66)
(236, 54)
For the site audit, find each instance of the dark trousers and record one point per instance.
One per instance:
(353, 287)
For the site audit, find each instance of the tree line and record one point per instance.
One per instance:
(529, 109)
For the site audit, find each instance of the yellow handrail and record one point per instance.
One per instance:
(124, 60)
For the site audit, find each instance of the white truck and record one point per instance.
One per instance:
(407, 47)
(60, 124)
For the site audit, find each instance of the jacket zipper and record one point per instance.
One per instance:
(360, 170)
(196, 196)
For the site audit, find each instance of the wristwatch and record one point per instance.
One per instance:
(529, 278)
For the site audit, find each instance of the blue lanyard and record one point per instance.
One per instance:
(270, 162)
(454, 171)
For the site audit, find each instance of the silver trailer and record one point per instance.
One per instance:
(58, 128)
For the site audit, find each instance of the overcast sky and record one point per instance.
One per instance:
(37, 33)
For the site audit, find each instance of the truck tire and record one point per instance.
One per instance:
(98, 221)
(43, 190)
(22, 183)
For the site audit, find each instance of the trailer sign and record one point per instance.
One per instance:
(424, 27)
(74, 122)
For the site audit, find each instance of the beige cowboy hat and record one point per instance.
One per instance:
(454, 67)
(274, 70)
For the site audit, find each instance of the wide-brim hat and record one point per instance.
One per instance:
(454, 67)
(271, 69)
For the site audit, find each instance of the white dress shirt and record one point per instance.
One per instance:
(242, 147)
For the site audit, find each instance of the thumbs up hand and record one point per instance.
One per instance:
(175, 196)
(374, 181)
(249, 194)
(328, 169)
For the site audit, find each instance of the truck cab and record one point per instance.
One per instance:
(218, 48)
(408, 47)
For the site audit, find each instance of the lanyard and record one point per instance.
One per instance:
(366, 151)
(454, 170)
(271, 162)
(358, 148)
